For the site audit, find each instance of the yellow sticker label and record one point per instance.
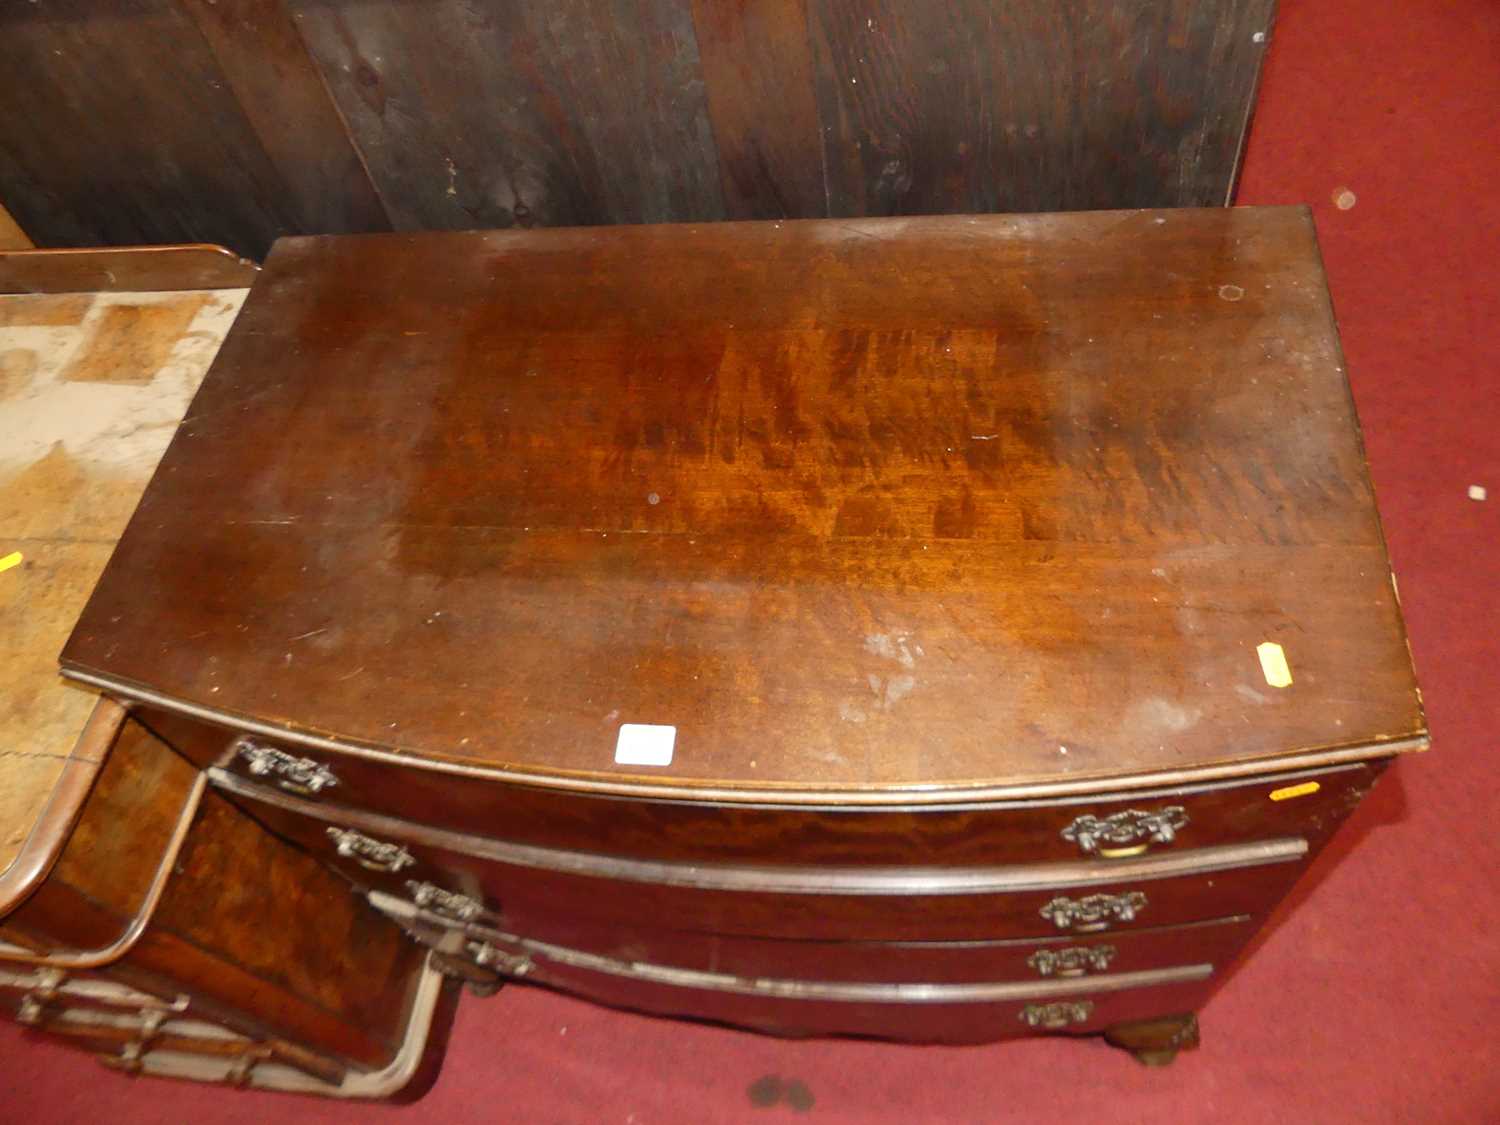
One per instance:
(10, 560)
(1291, 791)
(1273, 664)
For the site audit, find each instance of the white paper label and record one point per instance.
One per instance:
(1273, 664)
(642, 744)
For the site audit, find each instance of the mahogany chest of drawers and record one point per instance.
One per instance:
(944, 629)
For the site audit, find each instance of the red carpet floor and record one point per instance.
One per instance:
(1378, 997)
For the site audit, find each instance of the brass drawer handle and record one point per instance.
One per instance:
(297, 775)
(1053, 1016)
(429, 896)
(1126, 833)
(1093, 912)
(373, 854)
(1074, 961)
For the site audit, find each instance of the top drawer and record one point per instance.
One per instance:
(1308, 804)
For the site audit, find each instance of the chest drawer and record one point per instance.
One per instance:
(1307, 804)
(1064, 957)
(974, 1011)
(531, 890)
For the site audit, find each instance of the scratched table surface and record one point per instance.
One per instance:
(91, 387)
(870, 509)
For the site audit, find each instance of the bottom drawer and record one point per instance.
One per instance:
(975, 1012)
(935, 962)
(913, 1009)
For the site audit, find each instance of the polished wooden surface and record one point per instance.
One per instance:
(1225, 812)
(913, 902)
(936, 962)
(860, 508)
(123, 269)
(41, 807)
(101, 884)
(259, 936)
(237, 121)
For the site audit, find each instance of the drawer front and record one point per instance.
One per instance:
(979, 1011)
(531, 893)
(1039, 959)
(1308, 804)
(957, 962)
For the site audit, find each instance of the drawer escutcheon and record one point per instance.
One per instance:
(1126, 833)
(1073, 961)
(1060, 1014)
(1093, 912)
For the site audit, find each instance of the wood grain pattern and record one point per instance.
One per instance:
(758, 72)
(266, 65)
(910, 902)
(913, 1022)
(90, 386)
(523, 114)
(101, 882)
(236, 120)
(42, 800)
(119, 128)
(936, 962)
(856, 506)
(1063, 106)
(330, 974)
(966, 834)
(124, 269)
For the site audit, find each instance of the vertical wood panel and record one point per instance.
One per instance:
(966, 105)
(534, 112)
(758, 68)
(119, 128)
(278, 87)
(235, 121)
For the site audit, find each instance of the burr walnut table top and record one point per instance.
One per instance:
(864, 510)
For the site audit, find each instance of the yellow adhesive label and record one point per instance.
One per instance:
(10, 560)
(1291, 791)
(1273, 664)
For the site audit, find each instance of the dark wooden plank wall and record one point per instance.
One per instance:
(237, 121)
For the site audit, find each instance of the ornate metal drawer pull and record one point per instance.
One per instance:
(1126, 833)
(431, 897)
(1061, 1014)
(1093, 912)
(501, 960)
(299, 775)
(374, 854)
(1074, 961)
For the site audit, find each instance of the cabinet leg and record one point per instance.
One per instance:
(1155, 1042)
